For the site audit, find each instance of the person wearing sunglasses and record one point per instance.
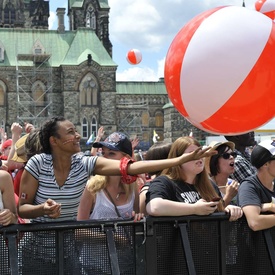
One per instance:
(243, 166)
(220, 167)
(186, 189)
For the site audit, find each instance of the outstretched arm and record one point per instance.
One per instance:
(112, 167)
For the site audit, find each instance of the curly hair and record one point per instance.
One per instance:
(48, 129)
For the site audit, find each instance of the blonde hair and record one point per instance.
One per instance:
(202, 182)
(97, 183)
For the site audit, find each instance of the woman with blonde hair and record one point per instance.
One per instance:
(185, 189)
(108, 197)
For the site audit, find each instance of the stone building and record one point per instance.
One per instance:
(72, 73)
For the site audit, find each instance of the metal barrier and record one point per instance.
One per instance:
(164, 245)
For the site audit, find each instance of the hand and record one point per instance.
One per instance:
(52, 209)
(200, 153)
(100, 132)
(235, 212)
(135, 142)
(203, 207)
(231, 190)
(7, 217)
(28, 127)
(137, 216)
(16, 129)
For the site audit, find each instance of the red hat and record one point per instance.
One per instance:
(6, 144)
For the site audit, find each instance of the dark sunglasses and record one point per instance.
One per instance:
(227, 155)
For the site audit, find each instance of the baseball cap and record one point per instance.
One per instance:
(116, 141)
(262, 153)
(6, 144)
(20, 151)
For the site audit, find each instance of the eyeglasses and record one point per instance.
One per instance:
(227, 155)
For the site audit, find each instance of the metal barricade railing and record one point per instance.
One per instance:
(157, 245)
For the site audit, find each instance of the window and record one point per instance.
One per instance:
(9, 14)
(145, 118)
(159, 119)
(2, 93)
(85, 128)
(90, 18)
(94, 126)
(38, 93)
(88, 91)
(38, 47)
(37, 51)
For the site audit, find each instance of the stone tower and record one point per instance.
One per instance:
(24, 14)
(93, 14)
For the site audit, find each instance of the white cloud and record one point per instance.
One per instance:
(148, 25)
(52, 20)
(161, 64)
(137, 74)
(151, 25)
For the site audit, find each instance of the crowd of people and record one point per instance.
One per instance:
(45, 177)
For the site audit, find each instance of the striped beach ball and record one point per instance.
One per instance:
(267, 7)
(134, 56)
(220, 70)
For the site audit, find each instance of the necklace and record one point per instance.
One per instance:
(118, 195)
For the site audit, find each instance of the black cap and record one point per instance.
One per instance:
(262, 153)
(118, 142)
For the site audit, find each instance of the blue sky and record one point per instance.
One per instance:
(147, 25)
(150, 26)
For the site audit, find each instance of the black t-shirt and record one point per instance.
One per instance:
(252, 192)
(163, 187)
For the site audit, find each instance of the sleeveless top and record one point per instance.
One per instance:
(1, 202)
(104, 208)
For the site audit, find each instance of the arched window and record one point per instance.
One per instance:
(90, 18)
(145, 118)
(3, 89)
(38, 93)
(85, 130)
(159, 120)
(88, 91)
(94, 126)
(9, 14)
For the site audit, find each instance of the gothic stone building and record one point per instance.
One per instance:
(71, 73)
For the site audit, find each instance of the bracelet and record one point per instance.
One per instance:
(125, 178)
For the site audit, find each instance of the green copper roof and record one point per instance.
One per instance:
(168, 105)
(150, 88)
(68, 48)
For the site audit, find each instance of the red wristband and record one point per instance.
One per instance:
(125, 178)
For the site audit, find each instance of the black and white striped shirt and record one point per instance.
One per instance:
(41, 168)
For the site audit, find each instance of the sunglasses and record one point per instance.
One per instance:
(227, 155)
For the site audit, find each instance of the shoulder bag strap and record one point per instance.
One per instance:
(111, 199)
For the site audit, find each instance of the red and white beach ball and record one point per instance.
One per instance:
(134, 56)
(267, 7)
(220, 70)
